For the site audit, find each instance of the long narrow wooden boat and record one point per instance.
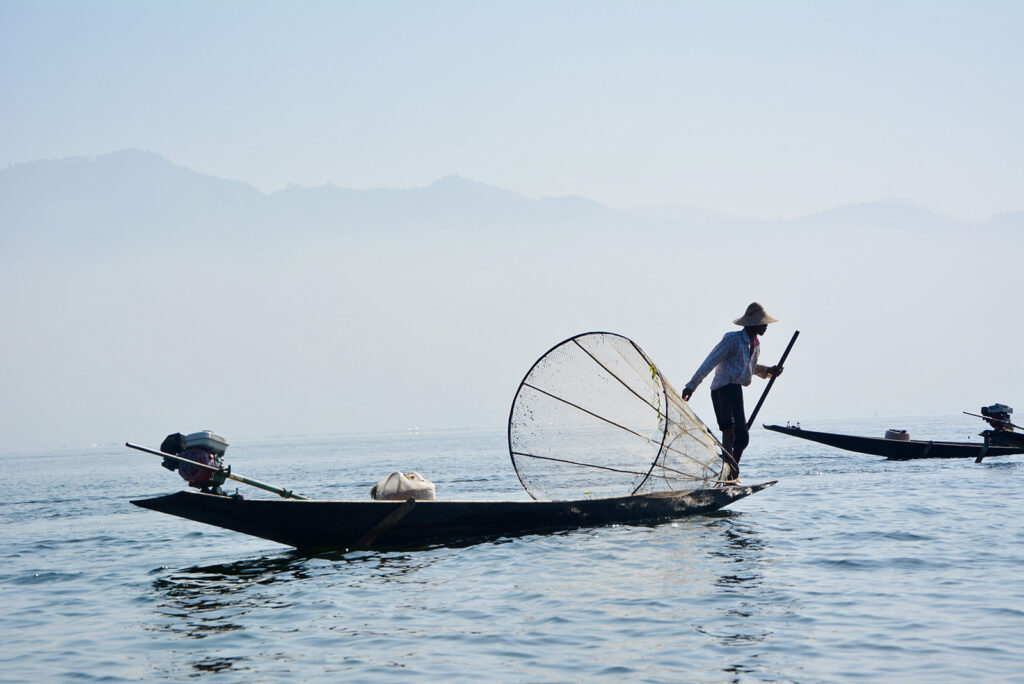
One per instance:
(319, 525)
(899, 450)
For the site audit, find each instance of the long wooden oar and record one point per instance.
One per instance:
(771, 381)
(286, 493)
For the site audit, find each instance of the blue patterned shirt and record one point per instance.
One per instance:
(732, 361)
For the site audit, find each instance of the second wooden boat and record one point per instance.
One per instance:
(899, 450)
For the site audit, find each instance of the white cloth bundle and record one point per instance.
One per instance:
(400, 487)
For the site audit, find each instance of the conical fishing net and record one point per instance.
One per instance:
(595, 418)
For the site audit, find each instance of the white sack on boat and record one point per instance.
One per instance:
(401, 487)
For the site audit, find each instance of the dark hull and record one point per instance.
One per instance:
(332, 525)
(1005, 438)
(898, 450)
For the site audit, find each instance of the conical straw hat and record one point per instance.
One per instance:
(755, 315)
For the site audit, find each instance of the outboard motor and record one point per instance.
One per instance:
(998, 416)
(203, 447)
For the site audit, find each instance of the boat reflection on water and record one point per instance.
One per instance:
(197, 594)
(750, 604)
(259, 595)
(198, 602)
(703, 583)
(740, 545)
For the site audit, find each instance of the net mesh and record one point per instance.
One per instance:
(595, 418)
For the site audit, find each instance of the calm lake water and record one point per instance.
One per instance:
(852, 567)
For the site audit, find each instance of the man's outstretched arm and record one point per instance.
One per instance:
(716, 356)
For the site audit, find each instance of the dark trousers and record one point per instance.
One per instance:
(728, 403)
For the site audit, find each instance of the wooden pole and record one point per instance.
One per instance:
(288, 494)
(771, 381)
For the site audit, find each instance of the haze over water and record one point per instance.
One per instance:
(137, 294)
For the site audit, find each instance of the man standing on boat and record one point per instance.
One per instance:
(734, 361)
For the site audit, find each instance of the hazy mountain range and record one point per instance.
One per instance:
(140, 199)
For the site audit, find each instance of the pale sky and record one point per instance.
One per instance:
(754, 108)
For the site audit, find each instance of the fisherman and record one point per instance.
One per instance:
(734, 360)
